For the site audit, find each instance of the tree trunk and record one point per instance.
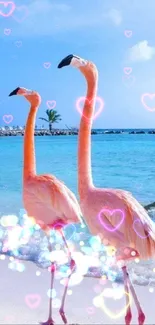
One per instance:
(50, 127)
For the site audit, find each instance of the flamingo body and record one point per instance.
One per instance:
(102, 208)
(98, 199)
(46, 199)
(50, 202)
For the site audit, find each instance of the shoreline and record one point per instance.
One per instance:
(58, 132)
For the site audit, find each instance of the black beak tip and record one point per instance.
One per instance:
(66, 61)
(14, 92)
(59, 66)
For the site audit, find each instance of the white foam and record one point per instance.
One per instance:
(96, 264)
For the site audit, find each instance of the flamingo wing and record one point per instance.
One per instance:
(56, 196)
(138, 212)
(132, 209)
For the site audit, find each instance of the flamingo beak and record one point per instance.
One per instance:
(73, 60)
(15, 91)
(66, 61)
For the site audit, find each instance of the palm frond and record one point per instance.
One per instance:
(53, 116)
(44, 119)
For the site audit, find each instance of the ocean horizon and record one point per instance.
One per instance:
(74, 127)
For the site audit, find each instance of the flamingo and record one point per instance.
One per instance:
(103, 207)
(45, 197)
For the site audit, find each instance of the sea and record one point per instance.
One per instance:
(123, 161)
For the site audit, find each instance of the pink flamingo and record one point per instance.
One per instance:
(45, 197)
(102, 208)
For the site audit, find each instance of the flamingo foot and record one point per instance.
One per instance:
(63, 316)
(128, 318)
(48, 322)
(141, 318)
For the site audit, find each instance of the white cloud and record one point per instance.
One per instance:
(141, 52)
(115, 16)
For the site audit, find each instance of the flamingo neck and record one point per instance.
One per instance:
(29, 150)
(85, 181)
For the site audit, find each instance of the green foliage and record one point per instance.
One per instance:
(52, 117)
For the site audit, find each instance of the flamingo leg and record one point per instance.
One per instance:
(72, 267)
(141, 315)
(128, 316)
(50, 320)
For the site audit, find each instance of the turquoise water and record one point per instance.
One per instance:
(118, 161)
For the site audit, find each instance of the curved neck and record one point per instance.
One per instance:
(84, 139)
(29, 150)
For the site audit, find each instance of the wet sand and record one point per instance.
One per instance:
(24, 300)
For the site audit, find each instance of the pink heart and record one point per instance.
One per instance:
(7, 31)
(148, 96)
(81, 100)
(128, 33)
(138, 226)
(111, 213)
(51, 104)
(22, 13)
(6, 4)
(128, 81)
(18, 43)
(47, 65)
(33, 300)
(7, 118)
(127, 70)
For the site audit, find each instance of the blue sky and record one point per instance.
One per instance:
(93, 29)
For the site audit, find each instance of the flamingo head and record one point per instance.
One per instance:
(86, 67)
(32, 96)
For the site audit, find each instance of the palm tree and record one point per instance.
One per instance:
(53, 117)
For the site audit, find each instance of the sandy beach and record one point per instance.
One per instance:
(24, 299)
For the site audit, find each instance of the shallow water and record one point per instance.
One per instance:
(119, 161)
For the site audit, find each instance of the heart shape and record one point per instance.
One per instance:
(128, 81)
(128, 33)
(51, 104)
(111, 213)
(138, 224)
(107, 311)
(84, 99)
(6, 4)
(7, 118)
(32, 300)
(7, 31)
(22, 13)
(18, 43)
(149, 96)
(71, 229)
(47, 65)
(127, 70)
